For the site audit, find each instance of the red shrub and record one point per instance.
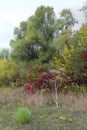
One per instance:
(29, 88)
(47, 80)
(83, 54)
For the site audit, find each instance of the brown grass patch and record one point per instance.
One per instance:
(19, 97)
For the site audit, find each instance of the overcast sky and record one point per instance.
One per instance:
(12, 12)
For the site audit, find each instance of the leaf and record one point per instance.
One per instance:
(70, 119)
(63, 118)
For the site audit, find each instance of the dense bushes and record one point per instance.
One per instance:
(41, 77)
(8, 72)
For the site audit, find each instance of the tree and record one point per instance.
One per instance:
(42, 35)
(84, 9)
(4, 53)
(66, 20)
(34, 37)
(64, 30)
(83, 36)
(20, 32)
(76, 58)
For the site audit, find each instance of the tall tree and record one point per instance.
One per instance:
(64, 29)
(34, 37)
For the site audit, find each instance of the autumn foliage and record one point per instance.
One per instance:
(8, 72)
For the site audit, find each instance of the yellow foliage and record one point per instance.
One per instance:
(8, 69)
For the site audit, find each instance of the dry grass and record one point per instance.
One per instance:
(72, 102)
(43, 109)
(19, 97)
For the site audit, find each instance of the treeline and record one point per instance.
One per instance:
(43, 35)
(45, 43)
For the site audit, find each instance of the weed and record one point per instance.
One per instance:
(23, 114)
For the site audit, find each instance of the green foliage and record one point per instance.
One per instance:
(8, 72)
(63, 118)
(84, 9)
(77, 59)
(23, 115)
(83, 37)
(33, 37)
(77, 89)
(64, 31)
(66, 20)
(4, 53)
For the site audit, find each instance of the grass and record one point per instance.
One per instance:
(71, 115)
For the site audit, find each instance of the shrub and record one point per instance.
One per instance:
(8, 72)
(46, 81)
(34, 72)
(23, 115)
(29, 88)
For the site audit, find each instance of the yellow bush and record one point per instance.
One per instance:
(8, 70)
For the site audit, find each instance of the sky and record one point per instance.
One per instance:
(12, 12)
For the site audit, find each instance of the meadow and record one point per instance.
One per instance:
(71, 114)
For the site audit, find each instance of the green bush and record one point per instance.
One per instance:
(23, 115)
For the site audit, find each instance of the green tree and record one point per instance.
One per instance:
(34, 37)
(64, 30)
(66, 20)
(84, 10)
(19, 33)
(4, 53)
